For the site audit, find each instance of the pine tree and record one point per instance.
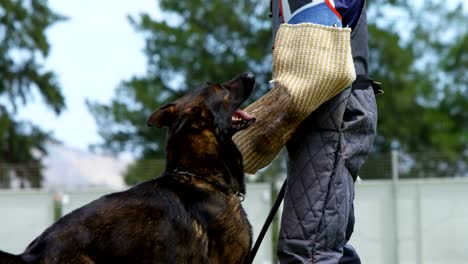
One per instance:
(23, 48)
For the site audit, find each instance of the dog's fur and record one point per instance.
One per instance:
(190, 214)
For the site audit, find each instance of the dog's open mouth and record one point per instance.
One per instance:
(241, 120)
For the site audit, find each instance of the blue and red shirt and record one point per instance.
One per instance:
(327, 12)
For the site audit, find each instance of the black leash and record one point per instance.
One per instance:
(267, 224)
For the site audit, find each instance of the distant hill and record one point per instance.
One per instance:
(68, 168)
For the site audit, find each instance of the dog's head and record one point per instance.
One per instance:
(213, 107)
(201, 125)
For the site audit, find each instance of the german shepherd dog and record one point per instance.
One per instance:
(192, 213)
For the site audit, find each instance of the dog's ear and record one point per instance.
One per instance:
(164, 116)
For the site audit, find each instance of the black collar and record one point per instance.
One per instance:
(217, 185)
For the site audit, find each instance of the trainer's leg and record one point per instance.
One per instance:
(319, 190)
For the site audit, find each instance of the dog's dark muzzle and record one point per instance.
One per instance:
(241, 87)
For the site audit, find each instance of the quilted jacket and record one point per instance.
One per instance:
(324, 158)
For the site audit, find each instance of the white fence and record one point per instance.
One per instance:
(401, 222)
(24, 215)
(412, 222)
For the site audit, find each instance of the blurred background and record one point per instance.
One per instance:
(79, 78)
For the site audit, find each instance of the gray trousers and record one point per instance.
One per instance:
(324, 158)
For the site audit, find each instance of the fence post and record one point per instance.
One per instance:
(395, 166)
(57, 202)
(395, 178)
(419, 232)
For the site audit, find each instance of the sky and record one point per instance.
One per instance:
(91, 53)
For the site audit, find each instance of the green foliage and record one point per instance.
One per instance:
(420, 54)
(144, 170)
(23, 47)
(421, 61)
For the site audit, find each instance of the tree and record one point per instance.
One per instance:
(421, 62)
(198, 41)
(23, 48)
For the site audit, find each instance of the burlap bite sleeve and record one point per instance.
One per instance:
(311, 64)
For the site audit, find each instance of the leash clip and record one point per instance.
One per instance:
(240, 195)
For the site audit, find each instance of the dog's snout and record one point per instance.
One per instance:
(249, 75)
(242, 85)
(248, 79)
